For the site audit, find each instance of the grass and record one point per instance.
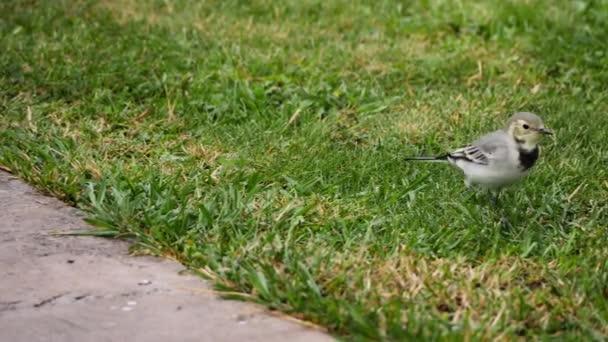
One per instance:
(261, 143)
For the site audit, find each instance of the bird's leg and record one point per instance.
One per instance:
(504, 221)
(493, 194)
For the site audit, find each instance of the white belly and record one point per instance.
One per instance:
(489, 176)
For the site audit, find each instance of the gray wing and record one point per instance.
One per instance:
(491, 147)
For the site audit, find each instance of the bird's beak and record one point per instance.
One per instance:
(545, 131)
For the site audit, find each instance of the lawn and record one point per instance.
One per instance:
(262, 143)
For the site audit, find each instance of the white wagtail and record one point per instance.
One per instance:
(499, 158)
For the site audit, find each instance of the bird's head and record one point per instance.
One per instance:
(526, 128)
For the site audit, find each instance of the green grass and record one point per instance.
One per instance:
(261, 143)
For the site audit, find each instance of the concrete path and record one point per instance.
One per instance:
(89, 289)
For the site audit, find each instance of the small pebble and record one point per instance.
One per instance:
(131, 303)
(144, 282)
(127, 308)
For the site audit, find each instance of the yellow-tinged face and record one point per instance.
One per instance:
(528, 132)
(527, 128)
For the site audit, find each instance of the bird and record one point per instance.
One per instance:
(500, 158)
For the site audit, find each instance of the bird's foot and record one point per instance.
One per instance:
(494, 199)
(504, 223)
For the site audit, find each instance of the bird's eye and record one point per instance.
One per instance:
(525, 126)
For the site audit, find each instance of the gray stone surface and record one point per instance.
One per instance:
(88, 289)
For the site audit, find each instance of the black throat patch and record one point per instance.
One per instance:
(528, 158)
